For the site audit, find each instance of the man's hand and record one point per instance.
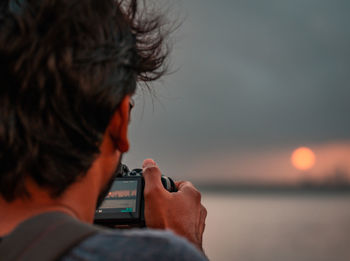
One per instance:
(181, 211)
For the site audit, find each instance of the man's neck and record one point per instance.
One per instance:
(79, 200)
(74, 202)
(13, 216)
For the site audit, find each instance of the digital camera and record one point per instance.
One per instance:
(124, 203)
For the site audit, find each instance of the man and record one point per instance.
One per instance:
(68, 71)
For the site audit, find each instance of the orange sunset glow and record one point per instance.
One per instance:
(303, 158)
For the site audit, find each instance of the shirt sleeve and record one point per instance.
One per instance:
(184, 250)
(138, 244)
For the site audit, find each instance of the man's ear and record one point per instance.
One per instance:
(118, 126)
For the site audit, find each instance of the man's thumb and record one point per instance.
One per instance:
(152, 175)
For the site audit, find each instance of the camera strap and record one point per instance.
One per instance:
(44, 237)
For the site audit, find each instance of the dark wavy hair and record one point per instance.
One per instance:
(65, 66)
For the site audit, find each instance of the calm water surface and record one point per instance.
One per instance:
(277, 227)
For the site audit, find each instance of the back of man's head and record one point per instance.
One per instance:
(65, 67)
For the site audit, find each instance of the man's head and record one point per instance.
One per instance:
(66, 68)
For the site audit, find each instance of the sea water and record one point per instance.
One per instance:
(247, 227)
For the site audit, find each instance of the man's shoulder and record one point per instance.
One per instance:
(135, 244)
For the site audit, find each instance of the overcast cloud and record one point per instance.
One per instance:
(251, 74)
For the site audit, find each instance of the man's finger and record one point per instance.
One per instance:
(203, 216)
(203, 213)
(178, 183)
(187, 187)
(183, 184)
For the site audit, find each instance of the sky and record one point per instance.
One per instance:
(252, 80)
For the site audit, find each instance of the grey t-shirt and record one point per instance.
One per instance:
(137, 244)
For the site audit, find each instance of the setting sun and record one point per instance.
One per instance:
(303, 158)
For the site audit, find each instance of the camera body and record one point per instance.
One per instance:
(124, 203)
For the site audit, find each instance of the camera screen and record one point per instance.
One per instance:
(121, 198)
